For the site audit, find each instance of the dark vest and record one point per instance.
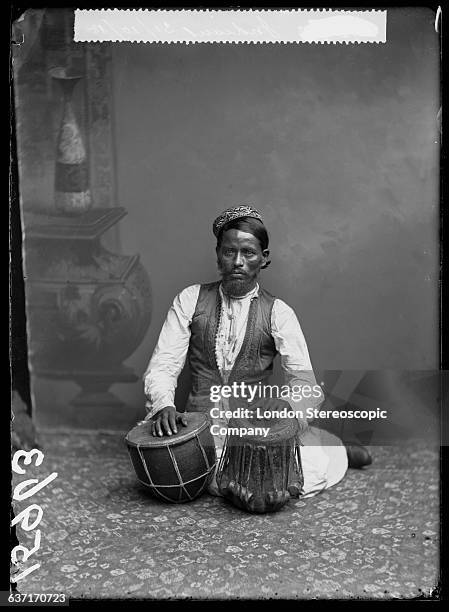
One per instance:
(253, 364)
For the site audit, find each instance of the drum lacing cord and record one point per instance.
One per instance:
(182, 484)
(224, 460)
(297, 457)
(151, 484)
(242, 468)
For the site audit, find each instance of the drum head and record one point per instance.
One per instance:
(141, 434)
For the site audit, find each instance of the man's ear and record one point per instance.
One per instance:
(266, 262)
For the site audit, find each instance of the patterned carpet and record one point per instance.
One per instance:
(373, 536)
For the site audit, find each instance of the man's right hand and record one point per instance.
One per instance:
(164, 422)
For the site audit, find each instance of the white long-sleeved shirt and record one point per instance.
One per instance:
(170, 354)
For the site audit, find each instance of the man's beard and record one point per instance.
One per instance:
(237, 287)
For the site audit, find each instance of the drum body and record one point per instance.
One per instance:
(260, 474)
(174, 468)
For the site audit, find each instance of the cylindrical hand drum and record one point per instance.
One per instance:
(260, 473)
(175, 468)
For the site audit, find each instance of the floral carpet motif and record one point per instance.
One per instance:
(375, 535)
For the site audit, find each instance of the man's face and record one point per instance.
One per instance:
(240, 259)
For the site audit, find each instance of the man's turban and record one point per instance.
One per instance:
(237, 212)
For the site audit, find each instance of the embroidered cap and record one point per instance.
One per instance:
(237, 212)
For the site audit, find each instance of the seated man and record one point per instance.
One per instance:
(231, 331)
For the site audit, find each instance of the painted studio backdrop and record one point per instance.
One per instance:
(336, 145)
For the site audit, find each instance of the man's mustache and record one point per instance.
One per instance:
(234, 273)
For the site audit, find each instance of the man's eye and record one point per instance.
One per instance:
(249, 253)
(228, 252)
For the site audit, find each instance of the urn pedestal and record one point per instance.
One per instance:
(88, 308)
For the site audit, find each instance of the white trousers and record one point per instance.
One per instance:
(324, 460)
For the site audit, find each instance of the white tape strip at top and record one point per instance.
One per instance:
(233, 26)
